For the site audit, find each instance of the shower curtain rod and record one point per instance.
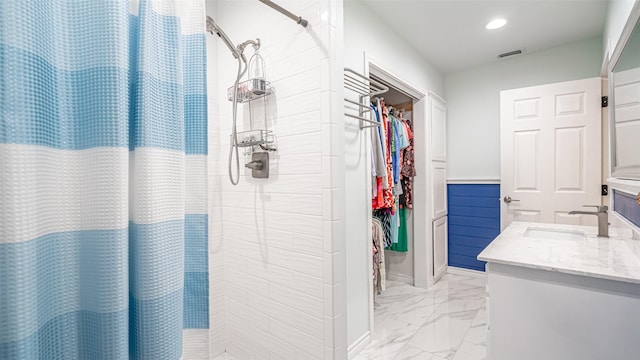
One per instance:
(287, 13)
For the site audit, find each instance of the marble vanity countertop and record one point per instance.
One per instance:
(613, 258)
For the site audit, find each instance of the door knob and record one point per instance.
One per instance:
(507, 199)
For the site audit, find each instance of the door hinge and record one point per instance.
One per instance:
(605, 101)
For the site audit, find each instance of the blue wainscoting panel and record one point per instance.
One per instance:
(627, 206)
(474, 221)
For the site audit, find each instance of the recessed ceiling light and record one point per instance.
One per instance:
(496, 24)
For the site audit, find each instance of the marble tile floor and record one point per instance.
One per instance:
(446, 322)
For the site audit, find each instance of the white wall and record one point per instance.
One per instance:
(617, 15)
(364, 31)
(473, 101)
(277, 289)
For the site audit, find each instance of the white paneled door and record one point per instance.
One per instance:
(550, 152)
(438, 136)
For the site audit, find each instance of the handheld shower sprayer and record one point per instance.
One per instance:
(238, 53)
(213, 28)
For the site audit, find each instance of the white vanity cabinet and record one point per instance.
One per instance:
(562, 299)
(540, 314)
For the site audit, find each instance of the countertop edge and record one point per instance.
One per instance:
(507, 235)
(561, 270)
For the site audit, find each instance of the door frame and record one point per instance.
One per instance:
(421, 275)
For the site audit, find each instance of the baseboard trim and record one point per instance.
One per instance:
(406, 279)
(466, 272)
(359, 345)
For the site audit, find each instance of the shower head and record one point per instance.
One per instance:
(213, 28)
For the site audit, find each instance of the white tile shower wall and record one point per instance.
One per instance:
(281, 238)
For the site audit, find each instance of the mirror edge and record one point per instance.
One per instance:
(632, 173)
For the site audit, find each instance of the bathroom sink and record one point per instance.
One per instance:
(554, 234)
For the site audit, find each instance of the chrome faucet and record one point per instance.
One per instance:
(603, 218)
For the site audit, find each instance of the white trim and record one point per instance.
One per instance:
(473, 181)
(604, 69)
(634, 16)
(634, 229)
(406, 279)
(389, 77)
(466, 272)
(359, 345)
(371, 63)
(628, 186)
(443, 101)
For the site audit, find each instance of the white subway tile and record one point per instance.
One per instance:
(301, 103)
(310, 164)
(275, 344)
(247, 281)
(234, 292)
(291, 85)
(307, 244)
(302, 354)
(331, 268)
(330, 302)
(333, 236)
(331, 205)
(330, 140)
(310, 285)
(272, 273)
(300, 144)
(329, 330)
(311, 345)
(242, 344)
(272, 308)
(297, 300)
(300, 123)
(340, 326)
(293, 64)
(309, 265)
(309, 324)
(330, 172)
(251, 316)
(297, 223)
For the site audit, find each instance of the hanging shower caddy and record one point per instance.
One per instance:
(255, 87)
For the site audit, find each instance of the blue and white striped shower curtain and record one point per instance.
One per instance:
(103, 178)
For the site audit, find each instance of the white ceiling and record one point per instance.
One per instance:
(451, 34)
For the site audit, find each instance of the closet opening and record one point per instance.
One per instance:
(395, 216)
(414, 263)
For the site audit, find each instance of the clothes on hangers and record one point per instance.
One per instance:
(385, 198)
(408, 167)
(392, 169)
(403, 237)
(379, 272)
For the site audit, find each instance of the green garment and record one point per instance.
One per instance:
(403, 237)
